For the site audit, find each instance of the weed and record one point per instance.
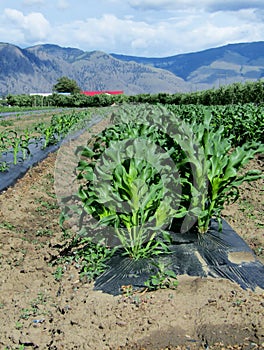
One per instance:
(58, 273)
(45, 204)
(127, 290)
(90, 258)
(4, 166)
(7, 225)
(6, 123)
(49, 177)
(27, 312)
(44, 232)
(164, 278)
(34, 310)
(19, 325)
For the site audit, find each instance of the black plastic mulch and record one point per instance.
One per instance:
(202, 257)
(37, 154)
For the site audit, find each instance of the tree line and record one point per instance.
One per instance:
(236, 93)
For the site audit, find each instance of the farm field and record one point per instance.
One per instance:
(41, 308)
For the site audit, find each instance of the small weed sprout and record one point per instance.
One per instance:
(163, 279)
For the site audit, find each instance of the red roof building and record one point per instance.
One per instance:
(107, 92)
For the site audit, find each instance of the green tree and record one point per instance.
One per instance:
(65, 84)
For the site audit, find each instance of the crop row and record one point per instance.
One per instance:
(155, 168)
(241, 122)
(18, 144)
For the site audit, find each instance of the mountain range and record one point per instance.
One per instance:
(36, 69)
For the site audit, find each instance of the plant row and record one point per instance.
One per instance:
(43, 134)
(241, 122)
(152, 171)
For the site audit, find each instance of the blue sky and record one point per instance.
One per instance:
(151, 28)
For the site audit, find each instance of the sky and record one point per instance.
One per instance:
(148, 28)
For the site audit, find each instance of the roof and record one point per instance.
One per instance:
(108, 92)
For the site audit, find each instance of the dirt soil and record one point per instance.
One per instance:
(41, 312)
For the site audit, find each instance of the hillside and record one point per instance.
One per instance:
(37, 68)
(212, 67)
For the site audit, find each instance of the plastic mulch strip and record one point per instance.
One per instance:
(217, 254)
(37, 154)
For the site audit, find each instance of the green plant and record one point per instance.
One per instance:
(6, 123)
(92, 258)
(49, 137)
(19, 325)
(25, 142)
(7, 225)
(163, 278)
(132, 191)
(215, 169)
(58, 273)
(33, 309)
(4, 166)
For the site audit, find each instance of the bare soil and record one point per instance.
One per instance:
(40, 312)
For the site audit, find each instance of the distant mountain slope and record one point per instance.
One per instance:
(212, 67)
(37, 68)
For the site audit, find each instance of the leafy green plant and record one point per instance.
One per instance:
(132, 191)
(19, 325)
(6, 123)
(25, 142)
(216, 168)
(16, 148)
(91, 257)
(4, 166)
(163, 278)
(58, 273)
(34, 310)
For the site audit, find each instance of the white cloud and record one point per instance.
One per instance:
(14, 16)
(135, 27)
(33, 26)
(107, 33)
(179, 34)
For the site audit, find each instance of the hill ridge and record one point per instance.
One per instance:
(37, 68)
